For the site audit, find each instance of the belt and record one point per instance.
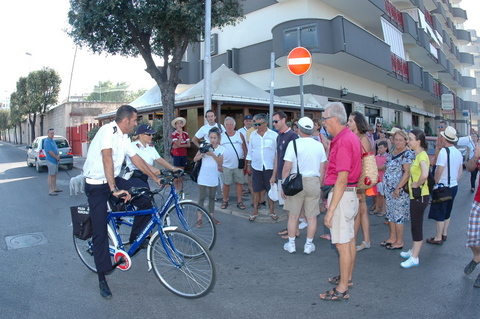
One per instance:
(92, 181)
(350, 189)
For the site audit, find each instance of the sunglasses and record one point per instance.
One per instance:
(276, 121)
(147, 134)
(441, 126)
(326, 118)
(259, 124)
(379, 126)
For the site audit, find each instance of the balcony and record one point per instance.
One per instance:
(399, 67)
(396, 17)
(459, 15)
(466, 58)
(463, 37)
(472, 106)
(422, 51)
(468, 82)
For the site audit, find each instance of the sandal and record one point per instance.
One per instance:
(273, 216)
(335, 295)
(470, 267)
(326, 236)
(198, 224)
(336, 280)
(53, 194)
(381, 214)
(286, 236)
(241, 206)
(216, 221)
(363, 246)
(245, 192)
(224, 205)
(283, 232)
(252, 217)
(385, 243)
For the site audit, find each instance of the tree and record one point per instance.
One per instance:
(16, 116)
(132, 96)
(21, 99)
(107, 92)
(43, 87)
(147, 28)
(4, 125)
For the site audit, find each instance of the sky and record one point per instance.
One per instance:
(38, 28)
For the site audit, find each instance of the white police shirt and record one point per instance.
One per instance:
(147, 152)
(109, 136)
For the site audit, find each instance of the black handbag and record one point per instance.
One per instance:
(325, 190)
(443, 193)
(196, 171)
(416, 192)
(241, 161)
(81, 221)
(292, 185)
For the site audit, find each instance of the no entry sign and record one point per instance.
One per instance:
(299, 61)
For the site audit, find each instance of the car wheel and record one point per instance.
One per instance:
(38, 167)
(69, 167)
(28, 163)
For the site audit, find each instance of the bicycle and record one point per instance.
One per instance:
(175, 212)
(179, 259)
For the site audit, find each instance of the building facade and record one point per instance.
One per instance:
(390, 59)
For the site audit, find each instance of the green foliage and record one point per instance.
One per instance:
(148, 27)
(132, 96)
(107, 92)
(4, 120)
(91, 134)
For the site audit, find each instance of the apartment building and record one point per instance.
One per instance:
(390, 59)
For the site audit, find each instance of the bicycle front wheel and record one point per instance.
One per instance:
(194, 219)
(182, 264)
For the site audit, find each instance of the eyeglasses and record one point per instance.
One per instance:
(326, 118)
(379, 126)
(276, 121)
(147, 134)
(441, 126)
(259, 124)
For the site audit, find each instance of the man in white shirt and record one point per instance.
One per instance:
(101, 169)
(448, 163)
(260, 161)
(202, 133)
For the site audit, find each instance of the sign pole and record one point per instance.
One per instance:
(302, 103)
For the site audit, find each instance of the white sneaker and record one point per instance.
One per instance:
(302, 224)
(290, 247)
(308, 248)
(406, 254)
(410, 262)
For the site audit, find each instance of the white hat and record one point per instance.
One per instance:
(393, 130)
(306, 123)
(450, 134)
(184, 121)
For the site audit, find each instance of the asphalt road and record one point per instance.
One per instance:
(256, 278)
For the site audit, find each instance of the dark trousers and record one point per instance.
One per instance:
(417, 208)
(97, 200)
(473, 178)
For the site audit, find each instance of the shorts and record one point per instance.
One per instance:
(261, 180)
(309, 198)
(52, 168)
(180, 161)
(231, 175)
(473, 229)
(442, 211)
(342, 230)
(380, 188)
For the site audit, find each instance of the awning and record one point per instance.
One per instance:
(421, 112)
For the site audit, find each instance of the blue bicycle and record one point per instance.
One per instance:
(180, 260)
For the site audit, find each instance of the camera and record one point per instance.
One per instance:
(205, 148)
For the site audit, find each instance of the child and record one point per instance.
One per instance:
(381, 159)
(180, 143)
(212, 161)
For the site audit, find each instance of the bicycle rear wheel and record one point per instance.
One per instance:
(84, 250)
(196, 220)
(182, 264)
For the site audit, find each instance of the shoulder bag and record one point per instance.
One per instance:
(443, 193)
(292, 185)
(241, 161)
(369, 175)
(195, 171)
(81, 221)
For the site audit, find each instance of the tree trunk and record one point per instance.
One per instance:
(32, 121)
(42, 116)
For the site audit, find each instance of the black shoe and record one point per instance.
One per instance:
(104, 290)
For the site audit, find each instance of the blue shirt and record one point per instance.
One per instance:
(50, 145)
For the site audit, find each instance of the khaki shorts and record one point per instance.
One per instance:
(231, 175)
(309, 198)
(342, 230)
(52, 168)
(281, 200)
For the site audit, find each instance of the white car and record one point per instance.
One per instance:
(36, 155)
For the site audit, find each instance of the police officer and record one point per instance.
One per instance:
(102, 167)
(142, 144)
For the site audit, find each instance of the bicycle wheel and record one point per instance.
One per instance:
(84, 250)
(182, 264)
(196, 220)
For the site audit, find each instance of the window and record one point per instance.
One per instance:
(415, 121)
(308, 37)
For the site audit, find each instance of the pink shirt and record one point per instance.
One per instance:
(345, 156)
(381, 160)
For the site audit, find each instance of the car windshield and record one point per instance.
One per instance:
(61, 143)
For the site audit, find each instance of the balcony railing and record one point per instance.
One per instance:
(429, 19)
(394, 14)
(399, 66)
(437, 89)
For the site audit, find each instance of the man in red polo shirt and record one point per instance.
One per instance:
(343, 171)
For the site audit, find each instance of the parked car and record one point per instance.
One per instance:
(432, 142)
(36, 155)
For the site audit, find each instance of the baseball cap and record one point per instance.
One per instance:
(306, 122)
(248, 117)
(144, 128)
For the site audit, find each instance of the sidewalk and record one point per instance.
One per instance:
(192, 193)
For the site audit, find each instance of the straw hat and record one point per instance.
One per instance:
(184, 121)
(450, 134)
(393, 130)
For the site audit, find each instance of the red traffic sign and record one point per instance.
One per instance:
(299, 61)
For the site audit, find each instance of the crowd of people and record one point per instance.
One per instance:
(327, 153)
